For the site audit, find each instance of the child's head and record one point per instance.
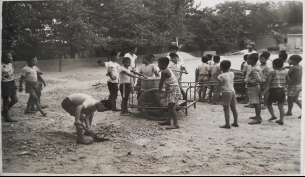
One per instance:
(225, 65)
(251, 46)
(252, 59)
(263, 58)
(295, 59)
(216, 59)
(205, 59)
(163, 62)
(173, 49)
(31, 60)
(101, 107)
(277, 63)
(146, 60)
(133, 49)
(266, 55)
(283, 56)
(115, 55)
(151, 58)
(126, 62)
(210, 56)
(246, 57)
(7, 57)
(283, 51)
(174, 57)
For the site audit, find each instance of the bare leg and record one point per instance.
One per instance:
(210, 94)
(204, 92)
(258, 118)
(5, 112)
(183, 94)
(270, 109)
(227, 117)
(290, 105)
(281, 108)
(235, 115)
(36, 101)
(172, 111)
(13, 101)
(80, 137)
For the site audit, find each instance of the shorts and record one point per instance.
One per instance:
(172, 93)
(8, 88)
(228, 99)
(253, 93)
(276, 95)
(203, 78)
(262, 86)
(125, 90)
(68, 106)
(31, 86)
(113, 87)
(294, 90)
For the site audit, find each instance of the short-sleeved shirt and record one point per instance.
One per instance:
(203, 68)
(295, 74)
(29, 73)
(148, 70)
(215, 69)
(114, 69)
(176, 67)
(133, 58)
(254, 78)
(264, 72)
(80, 98)
(124, 78)
(180, 59)
(227, 81)
(269, 63)
(7, 72)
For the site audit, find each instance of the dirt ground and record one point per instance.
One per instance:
(37, 144)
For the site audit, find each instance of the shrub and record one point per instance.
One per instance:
(273, 48)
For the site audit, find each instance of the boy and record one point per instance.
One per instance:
(82, 107)
(295, 85)
(39, 89)
(177, 69)
(264, 73)
(132, 55)
(215, 71)
(174, 49)
(244, 63)
(30, 76)
(210, 62)
(252, 82)
(269, 61)
(248, 51)
(275, 84)
(283, 55)
(113, 73)
(228, 99)
(202, 75)
(125, 83)
(8, 86)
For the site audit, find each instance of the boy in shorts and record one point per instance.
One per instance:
(295, 85)
(275, 85)
(264, 73)
(202, 76)
(215, 71)
(39, 89)
(228, 99)
(252, 82)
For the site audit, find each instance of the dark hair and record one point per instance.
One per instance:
(126, 59)
(164, 60)
(278, 62)
(225, 64)
(210, 56)
(283, 51)
(254, 57)
(172, 55)
(29, 58)
(296, 58)
(132, 47)
(173, 47)
(266, 55)
(107, 103)
(205, 59)
(216, 58)
(114, 53)
(283, 56)
(246, 57)
(4, 54)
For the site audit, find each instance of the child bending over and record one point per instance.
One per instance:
(172, 91)
(215, 71)
(295, 85)
(30, 76)
(8, 86)
(275, 85)
(228, 98)
(202, 76)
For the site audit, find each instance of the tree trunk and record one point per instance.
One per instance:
(72, 50)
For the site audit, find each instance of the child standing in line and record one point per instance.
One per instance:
(275, 85)
(174, 49)
(8, 86)
(295, 85)
(228, 99)
(30, 76)
(267, 57)
(113, 69)
(125, 83)
(283, 55)
(202, 75)
(210, 62)
(245, 68)
(177, 68)
(132, 55)
(264, 71)
(172, 91)
(39, 89)
(215, 71)
(244, 63)
(253, 81)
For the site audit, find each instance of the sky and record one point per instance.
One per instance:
(212, 3)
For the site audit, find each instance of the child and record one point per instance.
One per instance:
(228, 99)
(148, 69)
(113, 69)
(202, 75)
(252, 82)
(30, 76)
(215, 71)
(172, 91)
(269, 61)
(210, 62)
(8, 87)
(244, 63)
(82, 107)
(39, 89)
(264, 73)
(283, 55)
(132, 55)
(275, 84)
(177, 68)
(295, 85)
(125, 83)
(174, 49)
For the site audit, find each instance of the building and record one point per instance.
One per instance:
(294, 43)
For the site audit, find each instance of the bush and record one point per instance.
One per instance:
(273, 48)
(188, 48)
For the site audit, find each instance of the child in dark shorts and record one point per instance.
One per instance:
(8, 87)
(275, 85)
